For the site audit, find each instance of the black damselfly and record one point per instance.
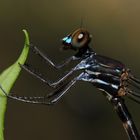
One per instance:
(107, 74)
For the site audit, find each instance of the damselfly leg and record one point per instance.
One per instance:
(45, 58)
(108, 75)
(102, 68)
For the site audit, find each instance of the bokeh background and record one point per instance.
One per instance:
(83, 113)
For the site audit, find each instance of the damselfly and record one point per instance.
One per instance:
(108, 75)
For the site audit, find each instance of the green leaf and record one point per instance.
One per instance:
(8, 78)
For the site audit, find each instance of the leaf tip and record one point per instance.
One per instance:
(26, 36)
(25, 31)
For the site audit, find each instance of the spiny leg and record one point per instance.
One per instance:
(46, 59)
(33, 100)
(102, 84)
(46, 81)
(52, 97)
(55, 95)
(60, 81)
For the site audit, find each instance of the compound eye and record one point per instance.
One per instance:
(80, 38)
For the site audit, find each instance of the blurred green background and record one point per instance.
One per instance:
(83, 113)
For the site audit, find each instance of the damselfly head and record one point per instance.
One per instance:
(76, 40)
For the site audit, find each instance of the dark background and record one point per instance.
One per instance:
(83, 113)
